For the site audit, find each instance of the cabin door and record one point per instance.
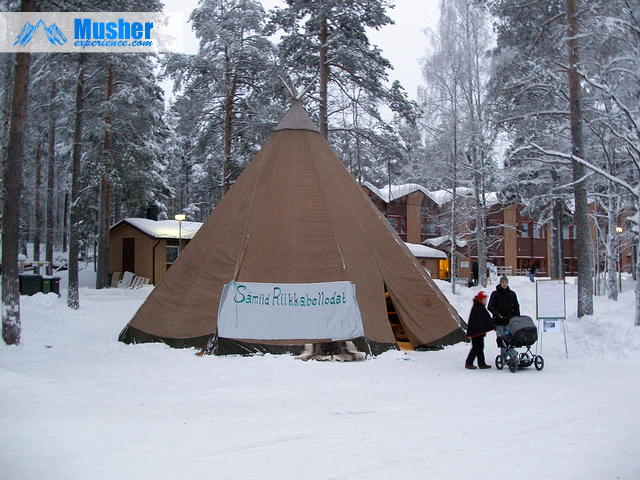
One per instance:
(128, 255)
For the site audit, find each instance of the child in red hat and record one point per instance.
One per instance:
(480, 322)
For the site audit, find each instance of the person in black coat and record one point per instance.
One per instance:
(479, 324)
(503, 305)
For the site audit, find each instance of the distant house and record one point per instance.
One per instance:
(515, 241)
(146, 247)
(434, 261)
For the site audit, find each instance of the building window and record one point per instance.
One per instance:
(429, 227)
(399, 224)
(172, 255)
(568, 231)
(539, 231)
(569, 266)
(493, 228)
(523, 229)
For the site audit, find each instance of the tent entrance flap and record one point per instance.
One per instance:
(289, 311)
(398, 330)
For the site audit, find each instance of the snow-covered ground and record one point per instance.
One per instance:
(77, 404)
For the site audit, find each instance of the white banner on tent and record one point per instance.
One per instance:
(288, 311)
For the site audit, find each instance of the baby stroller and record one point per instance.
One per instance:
(522, 332)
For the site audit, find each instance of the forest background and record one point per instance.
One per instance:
(553, 85)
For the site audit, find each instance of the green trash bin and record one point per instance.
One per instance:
(46, 284)
(55, 285)
(30, 284)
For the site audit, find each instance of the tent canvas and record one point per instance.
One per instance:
(295, 215)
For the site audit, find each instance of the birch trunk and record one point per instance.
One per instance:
(454, 263)
(481, 240)
(612, 283)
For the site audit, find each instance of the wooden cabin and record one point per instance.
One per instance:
(433, 260)
(148, 248)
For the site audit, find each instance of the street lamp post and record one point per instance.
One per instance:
(180, 217)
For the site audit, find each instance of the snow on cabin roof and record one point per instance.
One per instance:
(440, 197)
(397, 191)
(443, 196)
(165, 228)
(437, 241)
(422, 251)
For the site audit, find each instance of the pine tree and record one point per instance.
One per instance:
(584, 249)
(73, 294)
(538, 104)
(11, 326)
(224, 106)
(328, 40)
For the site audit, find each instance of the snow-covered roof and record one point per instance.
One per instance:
(443, 196)
(437, 241)
(440, 197)
(422, 251)
(491, 198)
(397, 191)
(165, 228)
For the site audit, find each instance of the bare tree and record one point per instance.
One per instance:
(457, 127)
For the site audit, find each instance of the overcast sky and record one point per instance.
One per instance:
(403, 43)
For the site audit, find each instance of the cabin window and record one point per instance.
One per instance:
(568, 231)
(399, 224)
(172, 255)
(523, 229)
(429, 227)
(539, 231)
(493, 228)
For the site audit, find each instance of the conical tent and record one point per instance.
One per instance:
(295, 216)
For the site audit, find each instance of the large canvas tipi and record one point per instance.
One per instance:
(295, 216)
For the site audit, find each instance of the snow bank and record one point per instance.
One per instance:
(77, 404)
(609, 333)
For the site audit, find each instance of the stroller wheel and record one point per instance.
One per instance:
(499, 362)
(538, 361)
(512, 363)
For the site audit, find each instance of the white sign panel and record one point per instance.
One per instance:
(270, 311)
(550, 299)
(551, 326)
